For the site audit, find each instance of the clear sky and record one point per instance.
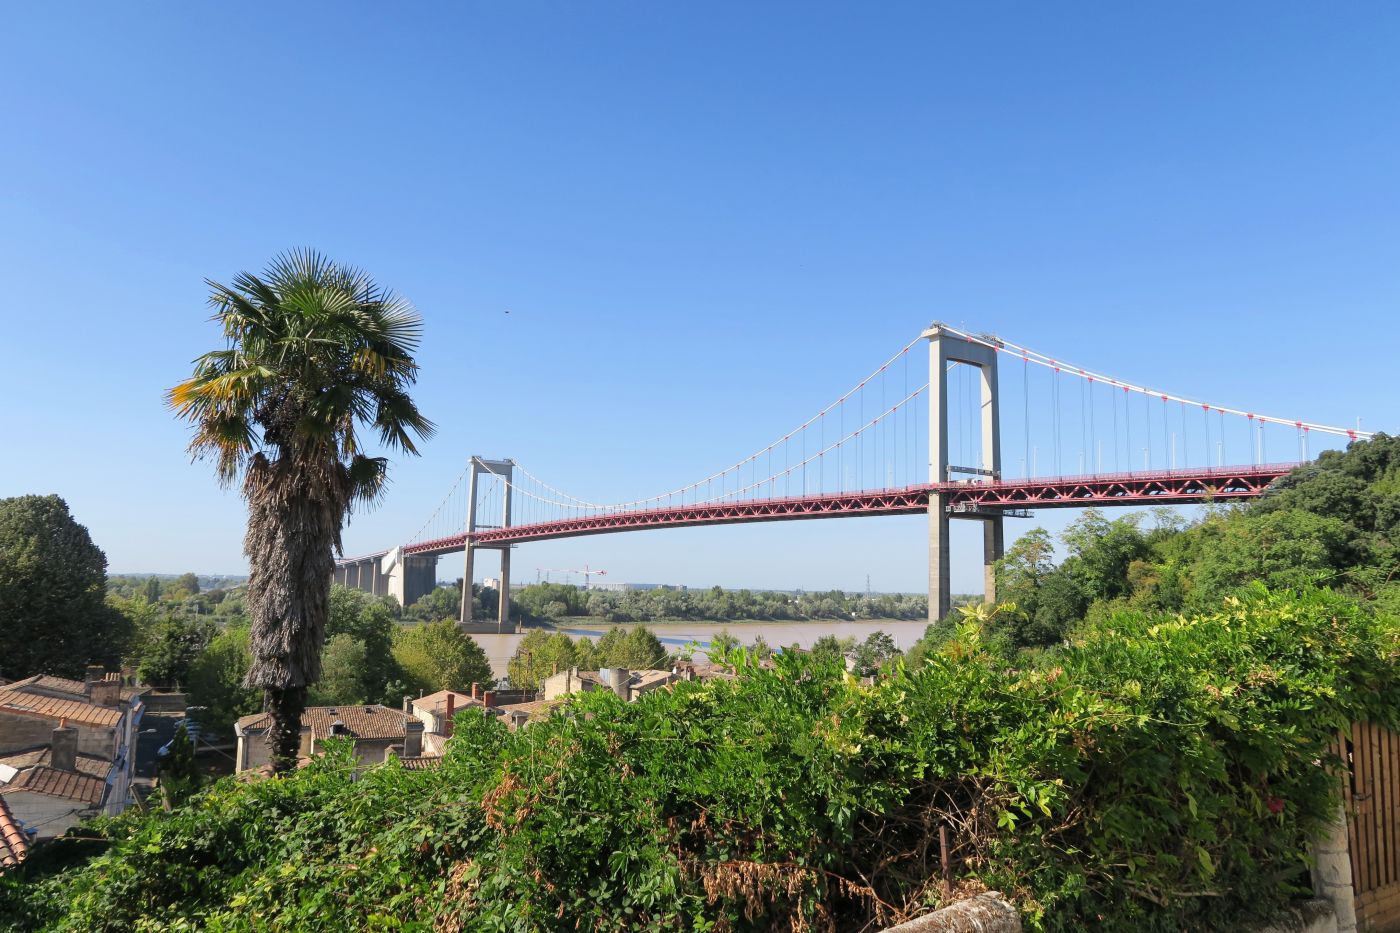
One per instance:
(707, 221)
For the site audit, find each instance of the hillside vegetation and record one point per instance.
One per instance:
(1151, 765)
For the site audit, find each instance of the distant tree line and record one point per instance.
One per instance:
(550, 601)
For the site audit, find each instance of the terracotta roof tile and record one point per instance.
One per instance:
(14, 844)
(70, 785)
(76, 711)
(364, 722)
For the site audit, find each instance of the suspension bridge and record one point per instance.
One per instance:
(910, 438)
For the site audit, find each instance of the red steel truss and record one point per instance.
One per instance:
(1167, 487)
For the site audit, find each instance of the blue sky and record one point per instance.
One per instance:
(707, 220)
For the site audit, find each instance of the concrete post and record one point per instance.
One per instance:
(503, 610)
(993, 547)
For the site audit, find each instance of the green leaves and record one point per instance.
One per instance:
(1121, 785)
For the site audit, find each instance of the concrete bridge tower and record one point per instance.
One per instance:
(946, 348)
(504, 469)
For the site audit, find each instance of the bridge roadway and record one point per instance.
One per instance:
(1163, 487)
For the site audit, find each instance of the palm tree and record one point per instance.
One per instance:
(313, 350)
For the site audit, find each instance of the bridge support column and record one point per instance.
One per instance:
(504, 471)
(945, 349)
(993, 547)
(469, 553)
(503, 610)
(940, 564)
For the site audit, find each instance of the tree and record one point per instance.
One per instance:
(444, 602)
(217, 679)
(179, 775)
(439, 656)
(166, 644)
(874, 653)
(370, 620)
(342, 672)
(314, 350)
(829, 646)
(721, 643)
(636, 649)
(53, 580)
(539, 655)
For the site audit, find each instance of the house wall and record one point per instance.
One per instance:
(20, 732)
(252, 750)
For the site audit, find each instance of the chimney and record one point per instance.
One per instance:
(413, 739)
(488, 699)
(518, 718)
(476, 691)
(91, 675)
(617, 679)
(449, 720)
(393, 751)
(407, 703)
(63, 748)
(689, 672)
(105, 692)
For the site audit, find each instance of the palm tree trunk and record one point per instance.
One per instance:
(295, 510)
(285, 704)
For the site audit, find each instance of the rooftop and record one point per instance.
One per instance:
(72, 688)
(14, 844)
(421, 763)
(41, 755)
(79, 712)
(436, 701)
(363, 722)
(70, 785)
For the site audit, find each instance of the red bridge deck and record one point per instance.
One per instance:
(1167, 487)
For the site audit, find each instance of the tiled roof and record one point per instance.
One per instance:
(94, 765)
(75, 711)
(71, 785)
(422, 763)
(60, 684)
(364, 722)
(14, 844)
(435, 702)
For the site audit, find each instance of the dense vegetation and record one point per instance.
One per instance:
(52, 580)
(1159, 776)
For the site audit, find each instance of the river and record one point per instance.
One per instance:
(676, 635)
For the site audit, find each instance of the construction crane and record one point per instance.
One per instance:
(586, 571)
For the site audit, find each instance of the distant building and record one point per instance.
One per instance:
(375, 730)
(437, 710)
(635, 587)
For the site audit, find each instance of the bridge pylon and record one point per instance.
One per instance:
(946, 348)
(504, 470)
